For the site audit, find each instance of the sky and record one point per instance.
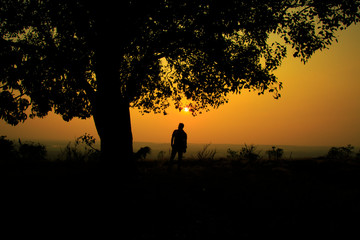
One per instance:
(320, 106)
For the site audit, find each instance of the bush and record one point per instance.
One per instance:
(275, 153)
(341, 153)
(206, 154)
(358, 155)
(161, 156)
(82, 150)
(246, 153)
(7, 149)
(72, 153)
(233, 155)
(32, 151)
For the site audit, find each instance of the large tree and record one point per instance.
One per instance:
(83, 58)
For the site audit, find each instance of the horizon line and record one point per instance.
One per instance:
(40, 140)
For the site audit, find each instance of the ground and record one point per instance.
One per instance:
(226, 199)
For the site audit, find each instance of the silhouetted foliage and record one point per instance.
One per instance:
(358, 155)
(275, 153)
(71, 153)
(248, 152)
(83, 58)
(34, 152)
(82, 150)
(161, 156)
(206, 154)
(341, 153)
(89, 142)
(7, 149)
(25, 152)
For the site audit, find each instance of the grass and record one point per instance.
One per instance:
(206, 198)
(242, 197)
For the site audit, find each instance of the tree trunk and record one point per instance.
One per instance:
(113, 124)
(111, 110)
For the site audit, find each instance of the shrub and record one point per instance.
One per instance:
(82, 150)
(72, 153)
(88, 141)
(358, 155)
(275, 153)
(206, 154)
(161, 155)
(341, 153)
(233, 155)
(7, 149)
(32, 151)
(248, 152)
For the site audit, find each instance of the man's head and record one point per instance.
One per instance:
(181, 126)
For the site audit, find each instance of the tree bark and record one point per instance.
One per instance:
(111, 110)
(112, 121)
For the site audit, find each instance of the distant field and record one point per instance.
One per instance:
(294, 152)
(290, 152)
(54, 148)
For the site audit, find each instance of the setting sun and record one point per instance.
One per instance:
(186, 109)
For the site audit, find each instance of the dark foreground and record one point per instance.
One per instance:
(217, 199)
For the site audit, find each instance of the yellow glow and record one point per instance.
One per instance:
(186, 109)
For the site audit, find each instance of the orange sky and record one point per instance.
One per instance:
(320, 105)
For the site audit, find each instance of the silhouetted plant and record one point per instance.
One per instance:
(341, 153)
(275, 153)
(82, 150)
(32, 151)
(7, 150)
(206, 154)
(161, 155)
(64, 55)
(232, 155)
(358, 155)
(248, 152)
(89, 142)
(71, 153)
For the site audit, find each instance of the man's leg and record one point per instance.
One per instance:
(172, 156)
(180, 156)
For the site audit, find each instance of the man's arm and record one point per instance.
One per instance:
(185, 140)
(172, 138)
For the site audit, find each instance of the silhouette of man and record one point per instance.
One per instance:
(178, 143)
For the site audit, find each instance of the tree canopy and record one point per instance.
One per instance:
(52, 51)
